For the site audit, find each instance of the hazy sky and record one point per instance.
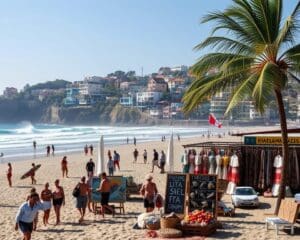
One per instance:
(42, 40)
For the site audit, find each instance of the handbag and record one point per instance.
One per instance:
(76, 191)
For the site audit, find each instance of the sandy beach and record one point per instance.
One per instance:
(247, 224)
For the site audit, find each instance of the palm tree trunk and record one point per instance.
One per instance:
(285, 148)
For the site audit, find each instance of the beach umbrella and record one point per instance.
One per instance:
(100, 163)
(170, 154)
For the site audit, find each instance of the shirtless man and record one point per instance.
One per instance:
(58, 200)
(81, 200)
(32, 174)
(64, 167)
(9, 174)
(148, 191)
(104, 189)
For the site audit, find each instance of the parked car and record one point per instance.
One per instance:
(244, 197)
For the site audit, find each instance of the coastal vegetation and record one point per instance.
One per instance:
(255, 55)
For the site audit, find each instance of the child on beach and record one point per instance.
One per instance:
(145, 156)
(110, 166)
(9, 174)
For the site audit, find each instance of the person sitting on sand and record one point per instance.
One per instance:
(58, 200)
(148, 191)
(9, 174)
(26, 214)
(81, 200)
(46, 196)
(32, 174)
(64, 167)
(104, 189)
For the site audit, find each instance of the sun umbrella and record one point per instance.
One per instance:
(170, 154)
(100, 163)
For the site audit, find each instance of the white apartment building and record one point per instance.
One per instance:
(147, 99)
(90, 87)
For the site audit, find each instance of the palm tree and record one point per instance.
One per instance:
(255, 54)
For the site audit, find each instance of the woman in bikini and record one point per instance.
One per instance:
(64, 167)
(9, 174)
(46, 196)
(58, 200)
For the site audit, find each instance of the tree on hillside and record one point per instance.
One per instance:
(255, 54)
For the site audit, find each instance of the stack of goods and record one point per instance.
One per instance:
(199, 222)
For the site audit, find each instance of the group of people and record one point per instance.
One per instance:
(113, 162)
(48, 150)
(27, 215)
(88, 149)
(158, 161)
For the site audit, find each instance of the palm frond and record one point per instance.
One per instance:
(290, 28)
(225, 44)
(242, 91)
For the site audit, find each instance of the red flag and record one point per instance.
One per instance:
(213, 121)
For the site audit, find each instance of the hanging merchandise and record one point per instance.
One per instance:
(184, 161)
(261, 181)
(198, 163)
(277, 177)
(191, 160)
(205, 163)
(225, 163)
(219, 165)
(233, 173)
(212, 162)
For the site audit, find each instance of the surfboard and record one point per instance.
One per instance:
(28, 173)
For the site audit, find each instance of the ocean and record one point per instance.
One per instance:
(16, 140)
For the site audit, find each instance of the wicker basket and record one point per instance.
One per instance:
(171, 222)
(197, 230)
(169, 233)
(153, 226)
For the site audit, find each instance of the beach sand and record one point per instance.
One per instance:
(247, 224)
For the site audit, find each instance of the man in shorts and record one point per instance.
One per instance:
(81, 200)
(26, 214)
(90, 168)
(104, 189)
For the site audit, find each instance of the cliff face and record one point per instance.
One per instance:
(17, 110)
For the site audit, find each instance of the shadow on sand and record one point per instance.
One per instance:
(8, 206)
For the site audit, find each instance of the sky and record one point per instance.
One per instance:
(44, 40)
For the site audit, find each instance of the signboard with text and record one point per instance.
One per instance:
(269, 140)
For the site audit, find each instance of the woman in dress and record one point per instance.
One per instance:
(212, 162)
(46, 196)
(58, 200)
(191, 160)
(184, 161)
(219, 165)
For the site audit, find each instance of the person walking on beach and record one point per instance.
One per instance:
(155, 160)
(127, 140)
(135, 155)
(148, 191)
(32, 174)
(134, 141)
(116, 160)
(48, 150)
(34, 148)
(46, 196)
(64, 167)
(145, 156)
(162, 162)
(58, 200)
(104, 190)
(9, 174)
(91, 149)
(81, 200)
(86, 150)
(110, 166)
(26, 215)
(90, 168)
(53, 149)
